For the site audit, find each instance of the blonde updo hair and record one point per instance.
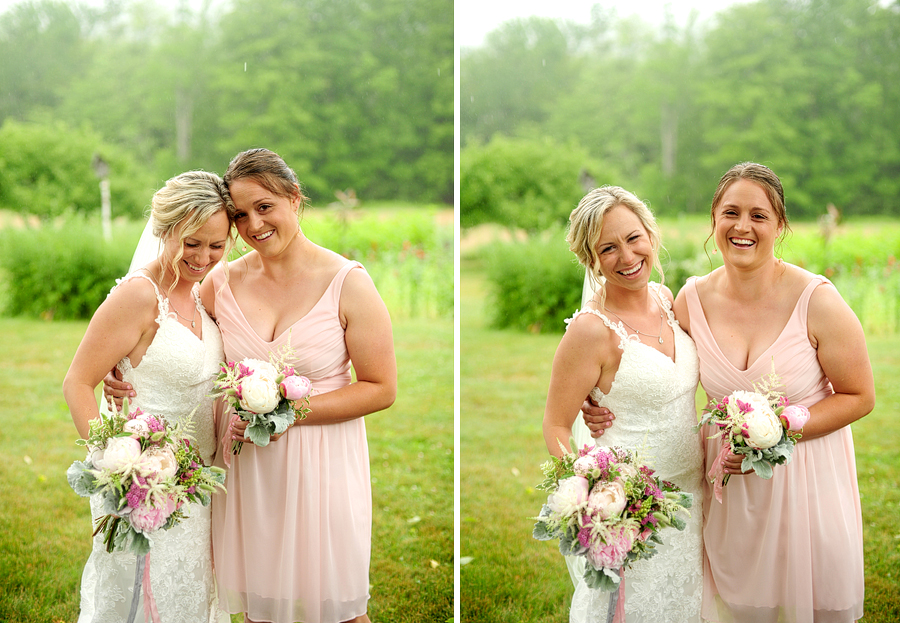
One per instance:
(586, 223)
(191, 199)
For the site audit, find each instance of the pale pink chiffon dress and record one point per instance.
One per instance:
(790, 548)
(291, 539)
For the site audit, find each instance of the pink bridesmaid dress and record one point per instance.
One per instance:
(790, 548)
(291, 538)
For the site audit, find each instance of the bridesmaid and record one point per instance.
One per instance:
(789, 548)
(291, 539)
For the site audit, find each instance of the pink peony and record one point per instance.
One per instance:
(296, 387)
(159, 461)
(146, 518)
(611, 555)
(795, 417)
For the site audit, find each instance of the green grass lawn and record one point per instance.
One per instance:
(45, 528)
(511, 577)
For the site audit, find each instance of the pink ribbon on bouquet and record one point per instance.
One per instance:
(717, 475)
(150, 611)
(617, 601)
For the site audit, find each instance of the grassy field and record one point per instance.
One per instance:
(45, 528)
(509, 577)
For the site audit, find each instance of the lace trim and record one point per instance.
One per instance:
(619, 327)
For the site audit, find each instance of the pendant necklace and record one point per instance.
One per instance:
(658, 337)
(191, 319)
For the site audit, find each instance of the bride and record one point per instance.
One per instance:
(626, 349)
(155, 330)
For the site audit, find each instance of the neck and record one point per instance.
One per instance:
(294, 258)
(751, 283)
(624, 300)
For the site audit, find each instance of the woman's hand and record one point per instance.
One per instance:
(117, 389)
(732, 464)
(597, 419)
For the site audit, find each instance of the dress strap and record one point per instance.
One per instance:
(664, 304)
(617, 328)
(162, 303)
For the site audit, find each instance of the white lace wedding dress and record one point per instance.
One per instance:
(173, 379)
(652, 398)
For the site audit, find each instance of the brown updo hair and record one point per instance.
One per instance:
(269, 170)
(759, 174)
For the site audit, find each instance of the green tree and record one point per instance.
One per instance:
(45, 170)
(524, 183)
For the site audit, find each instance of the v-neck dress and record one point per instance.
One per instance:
(291, 538)
(789, 548)
(653, 398)
(173, 379)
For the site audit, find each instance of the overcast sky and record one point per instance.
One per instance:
(476, 18)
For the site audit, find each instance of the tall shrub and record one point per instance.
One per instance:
(61, 271)
(534, 285)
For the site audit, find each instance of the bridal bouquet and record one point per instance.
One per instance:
(144, 470)
(269, 395)
(608, 506)
(761, 425)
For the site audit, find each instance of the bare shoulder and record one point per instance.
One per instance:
(588, 328)
(133, 295)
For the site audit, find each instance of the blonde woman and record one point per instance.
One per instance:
(155, 331)
(626, 350)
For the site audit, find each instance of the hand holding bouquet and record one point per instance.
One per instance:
(144, 469)
(760, 425)
(269, 395)
(608, 506)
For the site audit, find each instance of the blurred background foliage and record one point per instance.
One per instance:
(810, 88)
(352, 94)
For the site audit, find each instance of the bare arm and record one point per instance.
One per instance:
(119, 325)
(576, 368)
(841, 346)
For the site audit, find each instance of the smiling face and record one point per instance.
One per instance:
(265, 220)
(746, 226)
(200, 250)
(624, 250)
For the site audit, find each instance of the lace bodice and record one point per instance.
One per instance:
(174, 378)
(653, 399)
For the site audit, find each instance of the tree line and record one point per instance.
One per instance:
(810, 88)
(352, 94)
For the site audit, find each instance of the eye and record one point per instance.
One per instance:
(634, 238)
(192, 245)
(606, 249)
(239, 215)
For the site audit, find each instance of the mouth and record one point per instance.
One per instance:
(264, 236)
(195, 269)
(742, 243)
(630, 272)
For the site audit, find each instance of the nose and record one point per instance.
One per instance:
(743, 223)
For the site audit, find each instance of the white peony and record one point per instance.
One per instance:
(762, 427)
(259, 392)
(119, 451)
(569, 497)
(607, 499)
(584, 465)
